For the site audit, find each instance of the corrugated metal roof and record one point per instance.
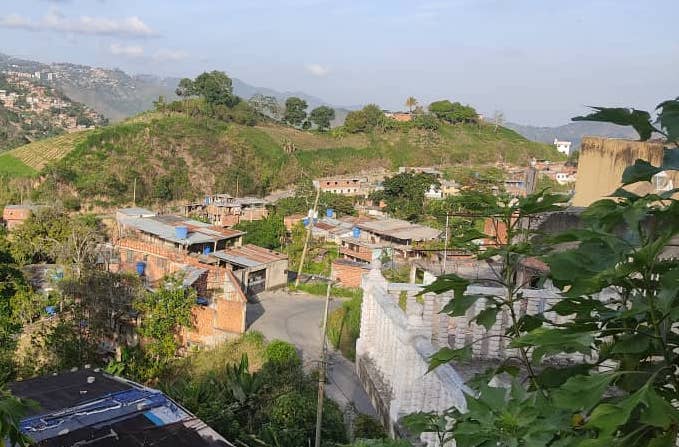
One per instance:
(135, 212)
(249, 255)
(191, 274)
(165, 228)
(400, 229)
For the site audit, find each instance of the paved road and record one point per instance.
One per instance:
(297, 318)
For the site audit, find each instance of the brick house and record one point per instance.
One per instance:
(220, 309)
(348, 273)
(226, 211)
(15, 215)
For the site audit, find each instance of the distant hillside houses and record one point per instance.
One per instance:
(563, 146)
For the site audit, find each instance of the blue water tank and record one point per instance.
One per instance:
(181, 232)
(141, 266)
(306, 221)
(207, 250)
(330, 212)
(50, 310)
(356, 232)
(202, 301)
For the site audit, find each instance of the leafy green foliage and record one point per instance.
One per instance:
(623, 390)
(453, 112)
(165, 313)
(267, 233)
(321, 117)
(404, 194)
(367, 119)
(11, 412)
(282, 353)
(216, 87)
(295, 111)
(344, 327)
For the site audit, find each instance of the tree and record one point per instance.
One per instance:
(498, 119)
(266, 233)
(164, 313)
(295, 111)
(266, 105)
(11, 412)
(216, 88)
(411, 103)
(453, 112)
(404, 194)
(185, 90)
(623, 392)
(321, 117)
(366, 119)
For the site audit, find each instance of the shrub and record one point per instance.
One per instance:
(367, 427)
(282, 353)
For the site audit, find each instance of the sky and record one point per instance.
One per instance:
(538, 62)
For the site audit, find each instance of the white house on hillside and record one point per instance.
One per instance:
(563, 146)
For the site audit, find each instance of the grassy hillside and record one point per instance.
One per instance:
(11, 166)
(175, 157)
(40, 153)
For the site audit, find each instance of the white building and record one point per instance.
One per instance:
(563, 146)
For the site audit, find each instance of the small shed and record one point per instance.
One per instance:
(256, 268)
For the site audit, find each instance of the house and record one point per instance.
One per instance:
(15, 215)
(348, 273)
(226, 211)
(398, 116)
(292, 220)
(176, 232)
(346, 186)
(90, 407)
(256, 268)
(357, 250)
(434, 192)
(220, 308)
(450, 188)
(563, 178)
(398, 235)
(563, 146)
(421, 170)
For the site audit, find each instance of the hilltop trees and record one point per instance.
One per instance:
(453, 112)
(295, 111)
(411, 103)
(266, 105)
(404, 194)
(216, 88)
(366, 119)
(321, 117)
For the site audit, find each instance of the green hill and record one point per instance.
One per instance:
(173, 157)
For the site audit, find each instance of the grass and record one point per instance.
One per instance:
(205, 361)
(320, 289)
(344, 327)
(174, 157)
(10, 166)
(40, 153)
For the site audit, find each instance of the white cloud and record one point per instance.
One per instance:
(317, 70)
(126, 50)
(55, 21)
(170, 55)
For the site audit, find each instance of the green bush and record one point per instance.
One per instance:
(344, 327)
(367, 427)
(282, 353)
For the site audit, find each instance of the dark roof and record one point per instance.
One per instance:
(90, 407)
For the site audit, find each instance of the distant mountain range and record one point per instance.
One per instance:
(118, 95)
(572, 131)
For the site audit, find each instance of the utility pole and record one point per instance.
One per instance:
(308, 237)
(134, 193)
(322, 372)
(445, 247)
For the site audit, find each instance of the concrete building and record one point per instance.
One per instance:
(257, 269)
(15, 215)
(603, 160)
(220, 309)
(226, 211)
(563, 146)
(346, 186)
(176, 232)
(398, 116)
(348, 273)
(89, 407)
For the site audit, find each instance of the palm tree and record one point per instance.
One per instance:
(411, 103)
